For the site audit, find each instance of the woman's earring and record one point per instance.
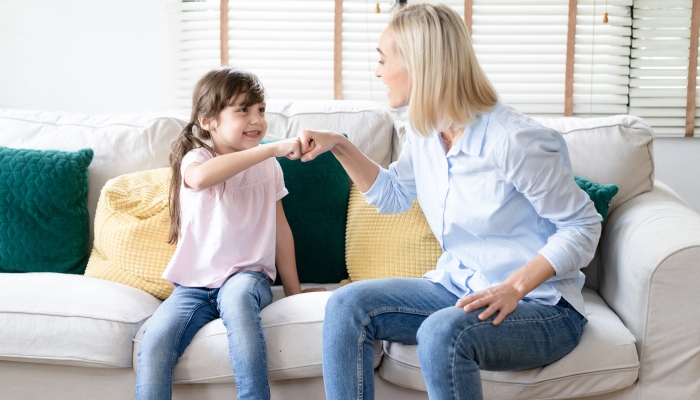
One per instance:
(376, 9)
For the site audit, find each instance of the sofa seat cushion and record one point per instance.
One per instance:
(53, 318)
(605, 360)
(292, 328)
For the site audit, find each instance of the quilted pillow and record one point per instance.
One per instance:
(44, 221)
(132, 223)
(388, 246)
(600, 194)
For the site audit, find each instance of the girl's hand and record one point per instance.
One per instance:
(289, 148)
(503, 299)
(313, 289)
(313, 142)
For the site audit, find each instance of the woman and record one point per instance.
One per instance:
(497, 190)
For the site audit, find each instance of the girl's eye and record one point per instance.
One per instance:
(244, 109)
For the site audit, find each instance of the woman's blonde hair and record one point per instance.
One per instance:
(448, 85)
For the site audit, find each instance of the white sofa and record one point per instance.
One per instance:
(74, 337)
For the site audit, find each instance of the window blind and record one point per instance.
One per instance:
(194, 33)
(659, 60)
(287, 44)
(602, 58)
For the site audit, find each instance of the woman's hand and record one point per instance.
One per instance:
(503, 299)
(313, 142)
(289, 148)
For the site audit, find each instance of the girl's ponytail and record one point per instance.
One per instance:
(186, 142)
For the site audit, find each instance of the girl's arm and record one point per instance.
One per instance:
(285, 258)
(284, 254)
(219, 169)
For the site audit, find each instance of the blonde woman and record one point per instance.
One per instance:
(497, 190)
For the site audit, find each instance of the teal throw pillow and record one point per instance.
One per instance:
(44, 221)
(600, 194)
(317, 210)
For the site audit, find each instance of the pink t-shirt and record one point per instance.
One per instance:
(227, 230)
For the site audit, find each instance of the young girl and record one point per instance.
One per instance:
(231, 231)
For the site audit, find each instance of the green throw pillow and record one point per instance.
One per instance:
(317, 210)
(44, 221)
(600, 194)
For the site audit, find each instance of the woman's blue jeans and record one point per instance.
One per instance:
(238, 303)
(452, 344)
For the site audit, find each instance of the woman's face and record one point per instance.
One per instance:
(393, 74)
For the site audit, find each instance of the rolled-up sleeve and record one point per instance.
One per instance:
(536, 162)
(394, 189)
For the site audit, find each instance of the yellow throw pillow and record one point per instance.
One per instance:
(387, 246)
(132, 223)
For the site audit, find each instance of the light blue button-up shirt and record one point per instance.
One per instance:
(502, 194)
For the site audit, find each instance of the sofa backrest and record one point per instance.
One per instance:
(122, 143)
(125, 143)
(617, 149)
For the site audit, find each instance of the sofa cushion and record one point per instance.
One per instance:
(388, 246)
(132, 223)
(605, 360)
(292, 328)
(601, 195)
(122, 143)
(43, 210)
(368, 125)
(614, 150)
(52, 318)
(316, 209)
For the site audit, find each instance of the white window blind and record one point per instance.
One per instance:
(659, 74)
(195, 45)
(522, 47)
(287, 44)
(602, 58)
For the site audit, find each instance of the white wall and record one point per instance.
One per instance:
(108, 56)
(85, 56)
(678, 165)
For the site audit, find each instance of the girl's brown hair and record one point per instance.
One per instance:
(216, 90)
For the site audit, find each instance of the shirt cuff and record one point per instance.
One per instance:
(558, 258)
(281, 194)
(376, 189)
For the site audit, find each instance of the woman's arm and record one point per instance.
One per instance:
(536, 162)
(219, 169)
(359, 167)
(391, 191)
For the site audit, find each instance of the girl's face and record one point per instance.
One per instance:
(237, 127)
(393, 74)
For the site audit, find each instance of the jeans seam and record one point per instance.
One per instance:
(179, 340)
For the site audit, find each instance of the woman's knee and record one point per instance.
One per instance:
(348, 300)
(447, 329)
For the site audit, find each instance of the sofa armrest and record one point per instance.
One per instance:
(650, 276)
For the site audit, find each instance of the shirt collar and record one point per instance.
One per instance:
(471, 141)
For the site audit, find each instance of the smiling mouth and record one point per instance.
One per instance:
(252, 134)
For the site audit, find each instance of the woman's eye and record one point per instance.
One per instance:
(262, 110)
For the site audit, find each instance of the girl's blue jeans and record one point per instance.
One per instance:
(452, 344)
(238, 303)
